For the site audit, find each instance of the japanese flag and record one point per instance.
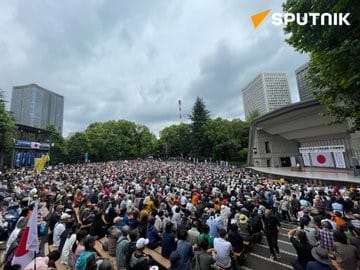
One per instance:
(28, 244)
(35, 145)
(322, 159)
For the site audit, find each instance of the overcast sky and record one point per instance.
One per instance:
(135, 59)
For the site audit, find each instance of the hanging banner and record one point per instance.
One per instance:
(339, 160)
(306, 159)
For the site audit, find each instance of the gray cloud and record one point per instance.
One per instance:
(135, 59)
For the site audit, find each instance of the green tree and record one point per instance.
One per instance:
(334, 67)
(7, 126)
(145, 141)
(199, 117)
(114, 140)
(58, 151)
(77, 145)
(175, 140)
(219, 135)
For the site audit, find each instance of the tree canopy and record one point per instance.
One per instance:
(6, 130)
(334, 68)
(199, 117)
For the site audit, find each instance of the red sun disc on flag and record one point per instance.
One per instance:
(321, 158)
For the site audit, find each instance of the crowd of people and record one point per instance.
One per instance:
(199, 214)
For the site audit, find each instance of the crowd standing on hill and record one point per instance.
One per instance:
(187, 209)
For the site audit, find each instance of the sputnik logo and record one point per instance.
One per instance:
(312, 18)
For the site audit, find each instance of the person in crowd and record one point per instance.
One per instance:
(213, 224)
(185, 250)
(87, 257)
(294, 206)
(193, 234)
(70, 241)
(205, 235)
(322, 260)
(113, 235)
(203, 260)
(302, 247)
(97, 227)
(271, 224)
(168, 243)
(326, 236)
(43, 263)
(106, 264)
(152, 234)
(131, 247)
(235, 238)
(223, 250)
(59, 228)
(345, 255)
(139, 260)
(77, 248)
(121, 247)
(285, 207)
(311, 232)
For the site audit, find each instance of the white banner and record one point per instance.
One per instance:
(322, 149)
(322, 159)
(339, 160)
(306, 159)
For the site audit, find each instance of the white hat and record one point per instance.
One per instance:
(141, 243)
(65, 216)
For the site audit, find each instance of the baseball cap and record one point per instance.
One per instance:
(65, 216)
(141, 243)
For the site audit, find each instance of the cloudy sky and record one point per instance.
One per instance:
(135, 59)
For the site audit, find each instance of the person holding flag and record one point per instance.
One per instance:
(29, 243)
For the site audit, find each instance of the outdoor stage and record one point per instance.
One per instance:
(315, 175)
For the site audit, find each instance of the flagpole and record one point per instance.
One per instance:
(34, 260)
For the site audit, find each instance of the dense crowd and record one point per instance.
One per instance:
(187, 209)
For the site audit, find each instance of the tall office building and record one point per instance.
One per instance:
(267, 92)
(35, 106)
(305, 90)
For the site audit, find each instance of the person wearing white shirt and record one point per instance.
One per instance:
(69, 244)
(59, 229)
(223, 250)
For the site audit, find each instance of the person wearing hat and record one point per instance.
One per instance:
(321, 262)
(346, 255)
(244, 227)
(139, 260)
(59, 229)
(87, 257)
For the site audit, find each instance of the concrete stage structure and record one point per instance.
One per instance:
(298, 137)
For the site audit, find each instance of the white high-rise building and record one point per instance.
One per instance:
(35, 106)
(267, 92)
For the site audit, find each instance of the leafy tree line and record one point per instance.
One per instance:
(203, 138)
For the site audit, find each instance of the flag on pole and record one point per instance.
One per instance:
(29, 243)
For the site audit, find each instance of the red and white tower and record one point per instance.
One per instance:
(180, 114)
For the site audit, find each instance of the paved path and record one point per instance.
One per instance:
(259, 255)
